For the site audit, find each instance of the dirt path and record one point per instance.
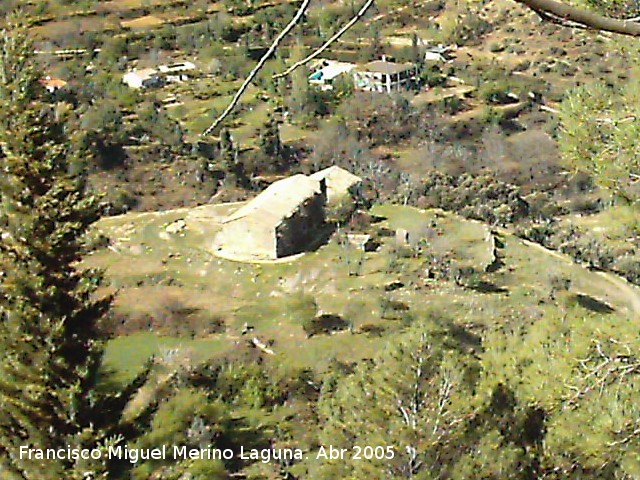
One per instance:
(546, 250)
(613, 288)
(630, 291)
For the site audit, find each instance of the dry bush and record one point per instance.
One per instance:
(121, 323)
(325, 323)
(170, 317)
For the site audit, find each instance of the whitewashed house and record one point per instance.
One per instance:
(385, 76)
(143, 78)
(327, 71)
(176, 72)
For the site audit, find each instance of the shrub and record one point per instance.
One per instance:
(393, 309)
(325, 323)
(432, 77)
(480, 197)
(453, 105)
(373, 330)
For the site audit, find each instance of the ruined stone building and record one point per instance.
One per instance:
(286, 218)
(281, 221)
(339, 182)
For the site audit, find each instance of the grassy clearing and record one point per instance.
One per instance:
(149, 265)
(290, 133)
(125, 355)
(197, 114)
(615, 223)
(60, 28)
(274, 299)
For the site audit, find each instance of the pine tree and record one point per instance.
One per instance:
(228, 150)
(297, 100)
(235, 174)
(415, 395)
(597, 136)
(49, 338)
(270, 143)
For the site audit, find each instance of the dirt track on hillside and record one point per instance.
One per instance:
(614, 288)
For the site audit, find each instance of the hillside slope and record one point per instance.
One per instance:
(173, 292)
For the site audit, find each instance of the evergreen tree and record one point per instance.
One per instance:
(49, 337)
(235, 174)
(598, 135)
(509, 410)
(415, 394)
(270, 143)
(416, 52)
(228, 150)
(297, 101)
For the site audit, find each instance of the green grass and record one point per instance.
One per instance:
(290, 133)
(150, 265)
(125, 355)
(615, 223)
(196, 115)
(273, 298)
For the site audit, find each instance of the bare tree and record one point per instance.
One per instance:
(567, 15)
